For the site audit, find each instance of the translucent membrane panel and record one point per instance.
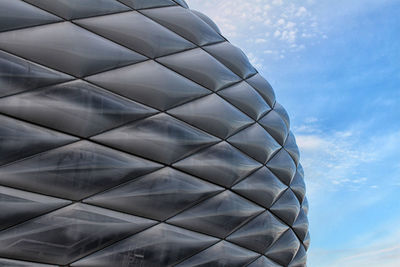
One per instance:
(161, 138)
(68, 234)
(68, 48)
(19, 139)
(161, 245)
(18, 75)
(158, 195)
(75, 171)
(185, 23)
(16, 14)
(85, 109)
(73, 9)
(151, 83)
(207, 71)
(132, 29)
(218, 216)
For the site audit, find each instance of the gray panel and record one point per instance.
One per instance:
(217, 216)
(245, 98)
(204, 17)
(68, 234)
(262, 187)
(301, 258)
(306, 241)
(73, 9)
(282, 166)
(221, 164)
(233, 58)
(161, 138)
(255, 142)
(14, 263)
(259, 234)
(213, 115)
(285, 249)
(291, 147)
(137, 32)
(298, 186)
(221, 255)
(151, 83)
(68, 48)
(264, 262)
(139, 4)
(75, 171)
(18, 75)
(287, 207)
(207, 71)
(263, 87)
(162, 245)
(16, 14)
(185, 23)
(275, 126)
(85, 109)
(17, 206)
(158, 195)
(19, 139)
(300, 226)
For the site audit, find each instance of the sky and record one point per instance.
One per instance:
(335, 67)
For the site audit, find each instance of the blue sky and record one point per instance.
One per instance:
(335, 66)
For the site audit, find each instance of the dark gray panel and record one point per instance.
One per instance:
(264, 262)
(221, 164)
(73, 9)
(185, 23)
(158, 195)
(298, 186)
(255, 142)
(16, 14)
(291, 147)
(68, 234)
(207, 71)
(19, 139)
(221, 255)
(17, 206)
(132, 29)
(151, 83)
(204, 17)
(275, 126)
(262, 187)
(301, 258)
(139, 4)
(75, 171)
(161, 138)
(85, 109)
(14, 263)
(245, 98)
(217, 216)
(263, 87)
(300, 226)
(282, 166)
(287, 207)
(285, 249)
(233, 58)
(260, 233)
(162, 245)
(18, 75)
(68, 48)
(213, 115)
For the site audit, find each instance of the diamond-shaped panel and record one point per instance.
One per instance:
(161, 245)
(221, 164)
(117, 113)
(157, 195)
(68, 48)
(151, 83)
(85, 109)
(68, 234)
(75, 171)
(160, 138)
(217, 216)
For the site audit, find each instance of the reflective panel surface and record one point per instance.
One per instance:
(133, 134)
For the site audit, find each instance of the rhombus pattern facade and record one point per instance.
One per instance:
(132, 133)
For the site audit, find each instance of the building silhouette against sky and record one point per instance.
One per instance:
(134, 134)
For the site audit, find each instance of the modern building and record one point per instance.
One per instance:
(132, 133)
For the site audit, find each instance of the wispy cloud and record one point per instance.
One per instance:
(282, 26)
